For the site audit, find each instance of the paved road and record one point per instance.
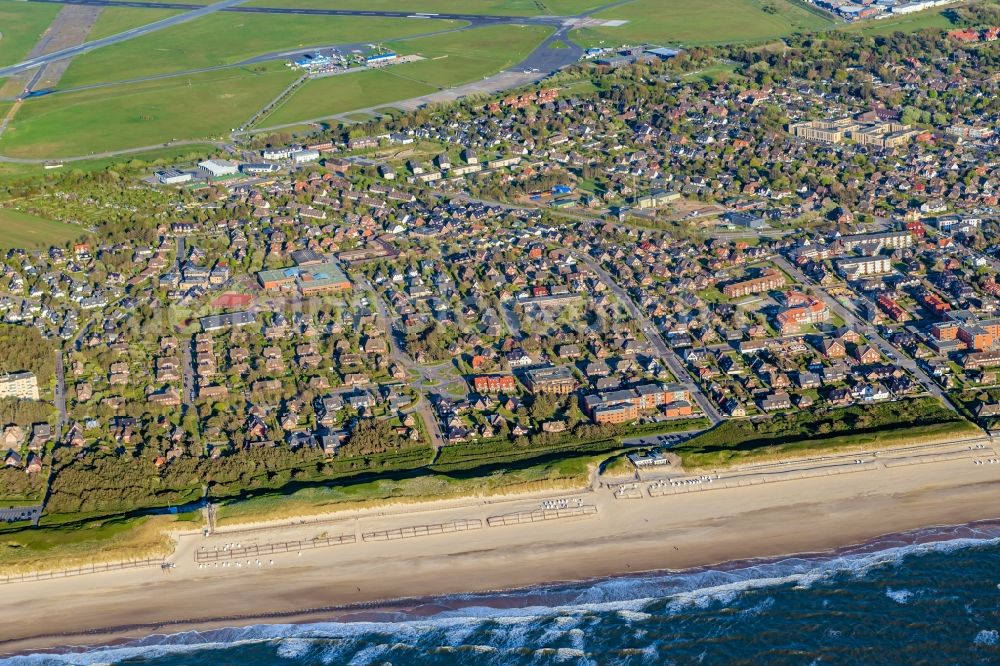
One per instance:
(41, 61)
(114, 153)
(664, 441)
(188, 389)
(181, 251)
(32, 513)
(665, 353)
(422, 405)
(60, 394)
(542, 62)
(852, 319)
(294, 54)
(539, 59)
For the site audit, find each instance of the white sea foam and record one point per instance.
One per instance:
(368, 655)
(899, 596)
(988, 637)
(629, 597)
(566, 654)
(633, 616)
(459, 633)
(577, 638)
(558, 627)
(293, 648)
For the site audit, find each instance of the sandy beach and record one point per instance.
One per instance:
(766, 511)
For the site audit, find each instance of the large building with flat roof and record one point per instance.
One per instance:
(878, 134)
(313, 277)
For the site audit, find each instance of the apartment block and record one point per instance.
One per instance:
(22, 385)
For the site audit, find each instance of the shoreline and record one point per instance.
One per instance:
(795, 517)
(411, 609)
(408, 609)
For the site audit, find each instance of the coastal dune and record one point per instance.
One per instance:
(673, 531)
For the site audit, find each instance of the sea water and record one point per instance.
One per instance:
(926, 597)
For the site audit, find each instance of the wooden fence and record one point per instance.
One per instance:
(423, 530)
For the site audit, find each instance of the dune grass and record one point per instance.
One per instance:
(566, 473)
(803, 434)
(69, 546)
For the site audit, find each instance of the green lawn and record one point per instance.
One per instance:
(694, 23)
(21, 24)
(189, 107)
(461, 57)
(22, 230)
(337, 94)
(451, 59)
(114, 20)
(926, 20)
(492, 7)
(228, 38)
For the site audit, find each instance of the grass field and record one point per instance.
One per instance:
(228, 38)
(93, 121)
(21, 24)
(461, 57)
(694, 23)
(451, 59)
(22, 230)
(337, 94)
(119, 19)
(717, 73)
(491, 7)
(926, 20)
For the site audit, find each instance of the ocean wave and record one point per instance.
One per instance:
(899, 596)
(294, 648)
(499, 623)
(988, 637)
(633, 616)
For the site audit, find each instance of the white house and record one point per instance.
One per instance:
(305, 155)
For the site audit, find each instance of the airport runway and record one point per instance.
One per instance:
(39, 61)
(547, 58)
(478, 18)
(192, 12)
